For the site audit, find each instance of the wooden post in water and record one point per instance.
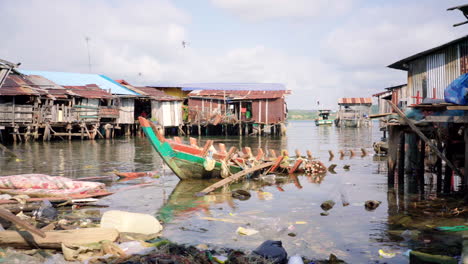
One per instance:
(401, 160)
(465, 176)
(392, 154)
(438, 168)
(421, 166)
(448, 171)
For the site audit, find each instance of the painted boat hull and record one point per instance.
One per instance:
(184, 165)
(323, 122)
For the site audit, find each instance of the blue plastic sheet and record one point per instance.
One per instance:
(457, 91)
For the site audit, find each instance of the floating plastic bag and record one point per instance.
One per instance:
(272, 250)
(456, 92)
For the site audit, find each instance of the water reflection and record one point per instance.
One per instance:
(279, 205)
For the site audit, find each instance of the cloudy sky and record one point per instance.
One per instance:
(320, 49)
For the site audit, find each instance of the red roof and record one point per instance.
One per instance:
(91, 91)
(238, 94)
(357, 100)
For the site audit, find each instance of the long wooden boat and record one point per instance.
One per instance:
(185, 161)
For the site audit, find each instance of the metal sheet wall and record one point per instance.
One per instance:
(435, 65)
(430, 75)
(167, 113)
(126, 111)
(463, 54)
(417, 70)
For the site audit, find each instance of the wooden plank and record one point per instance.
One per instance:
(296, 165)
(233, 178)
(423, 137)
(7, 215)
(447, 119)
(54, 239)
(207, 146)
(276, 164)
(379, 115)
(457, 107)
(231, 152)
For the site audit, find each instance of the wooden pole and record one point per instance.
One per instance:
(401, 160)
(465, 178)
(233, 178)
(392, 155)
(448, 171)
(438, 168)
(7, 215)
(421, 166)
(424, 138)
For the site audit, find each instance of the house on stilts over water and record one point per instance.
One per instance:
(162, 109)
(235, 108)
(424, 128)
(353, 112)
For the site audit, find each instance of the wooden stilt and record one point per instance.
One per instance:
(438, 168)
(448, 171)
(401, 160)
(465, 177)
(421, 169)
(392, 155)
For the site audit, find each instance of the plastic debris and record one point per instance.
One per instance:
(272, 250)
(452, 228)
(296, 259)
(384, 254)
(265, 195)
(135, 248)
(301, 222)
(46, 211)
(220, 258)
(246, 231)
(407, 253)
(131, 222)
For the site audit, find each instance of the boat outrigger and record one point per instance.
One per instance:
(193, 162)
(322, 119)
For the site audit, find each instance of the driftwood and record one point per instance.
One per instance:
(54, 239)
(234, 177)
(7, 215)
(423, 137)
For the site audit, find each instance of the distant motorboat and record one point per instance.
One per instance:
(323, 120)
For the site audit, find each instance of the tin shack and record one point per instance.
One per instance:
(159, 107)
(353, 112)
(236, 108)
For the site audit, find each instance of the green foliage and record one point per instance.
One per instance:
(306, 115)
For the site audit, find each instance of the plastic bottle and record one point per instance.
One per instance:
(296, 259)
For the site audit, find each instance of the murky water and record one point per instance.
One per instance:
(279, 207)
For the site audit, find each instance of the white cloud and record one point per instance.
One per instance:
(292, 9)
(142, 44)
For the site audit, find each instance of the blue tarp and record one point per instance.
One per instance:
(456, 92)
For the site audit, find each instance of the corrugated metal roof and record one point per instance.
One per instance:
(18, 85)
(403, 64)
(150, 91)
(357, 100)
(233, 86)
(41, 82)
(238, 95)
(83, 79)
(90, 91)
